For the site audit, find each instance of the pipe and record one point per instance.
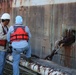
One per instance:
(43, 70)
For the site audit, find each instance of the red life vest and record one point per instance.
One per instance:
(3, 42)
(19, 34)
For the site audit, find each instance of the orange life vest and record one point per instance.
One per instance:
(3, 42)
(19, 34)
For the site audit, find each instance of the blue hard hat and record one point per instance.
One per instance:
(18, 20)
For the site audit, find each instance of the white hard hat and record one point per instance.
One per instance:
(5, 16)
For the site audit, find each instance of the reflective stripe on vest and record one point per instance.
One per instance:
(19, 34)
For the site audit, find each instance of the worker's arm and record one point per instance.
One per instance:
(2, 36)
(9, 32)
(28, 31)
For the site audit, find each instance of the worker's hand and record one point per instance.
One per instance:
(9, 50)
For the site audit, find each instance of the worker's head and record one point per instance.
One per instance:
(18, 20)
(5, 18)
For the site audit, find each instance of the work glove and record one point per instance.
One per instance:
(9, 49)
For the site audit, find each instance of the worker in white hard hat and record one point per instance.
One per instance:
(19, 35)
(5, 19)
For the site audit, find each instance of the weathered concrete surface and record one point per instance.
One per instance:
(18, 3)
(46, 19)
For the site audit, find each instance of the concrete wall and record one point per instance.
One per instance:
(17, 3)
(46, 19)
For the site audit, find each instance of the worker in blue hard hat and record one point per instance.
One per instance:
(19, 35)
(5, 19)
